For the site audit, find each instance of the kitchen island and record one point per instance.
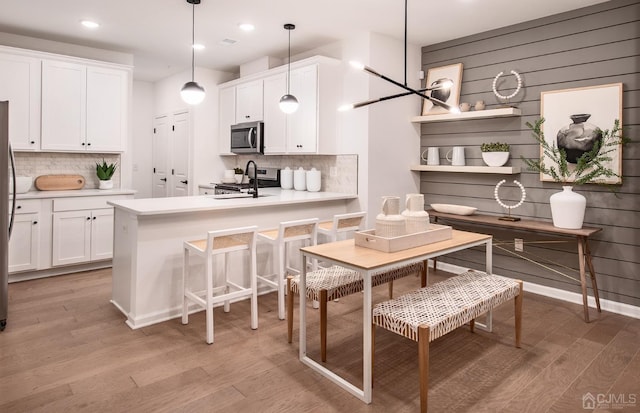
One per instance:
(148, 237)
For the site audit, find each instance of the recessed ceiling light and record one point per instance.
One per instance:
(247, 27)
(198, 46)
(90, 24)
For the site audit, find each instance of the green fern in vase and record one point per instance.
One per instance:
(591, 167)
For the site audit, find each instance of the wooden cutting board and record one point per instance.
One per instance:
(59, 182)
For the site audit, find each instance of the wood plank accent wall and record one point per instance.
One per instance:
(586, 47)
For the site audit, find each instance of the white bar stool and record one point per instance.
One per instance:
(218, 243)
(341, 223)
(301, 230)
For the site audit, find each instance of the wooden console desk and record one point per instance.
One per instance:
(582, 235)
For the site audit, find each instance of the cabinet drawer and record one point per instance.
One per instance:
(89, 202)
(26, 206)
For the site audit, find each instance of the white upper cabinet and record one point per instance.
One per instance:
(64, 95)
(249, 102)
(275, 121)
(302, 125)
(20, 85)
(312, 129)
(84, 108)
(227, 117)
(107, 99)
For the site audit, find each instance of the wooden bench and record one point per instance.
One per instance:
(327, 284)
(431, 312)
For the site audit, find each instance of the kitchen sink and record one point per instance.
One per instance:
(234, 196)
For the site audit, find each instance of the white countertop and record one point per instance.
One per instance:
(176, 205)
(74, 193)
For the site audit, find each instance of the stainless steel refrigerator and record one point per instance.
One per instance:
(7, 166)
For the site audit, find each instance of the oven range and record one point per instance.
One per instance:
(267, 177)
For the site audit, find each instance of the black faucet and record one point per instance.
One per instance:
(255, 177)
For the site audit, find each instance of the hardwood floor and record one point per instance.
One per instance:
(66, 349)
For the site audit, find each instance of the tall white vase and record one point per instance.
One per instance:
(567, 208)
(416, 218)
(389, 222)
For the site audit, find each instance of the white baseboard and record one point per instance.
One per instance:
(607, 305)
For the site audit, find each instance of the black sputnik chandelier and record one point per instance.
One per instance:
(408, 90)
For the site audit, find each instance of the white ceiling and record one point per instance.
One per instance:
(158, 32)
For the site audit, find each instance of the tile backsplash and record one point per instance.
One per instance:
(345, 179)
(35, 164)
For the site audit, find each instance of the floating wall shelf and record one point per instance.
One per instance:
(475, 114)
(504, 170)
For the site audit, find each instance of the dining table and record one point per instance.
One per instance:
(368, 261)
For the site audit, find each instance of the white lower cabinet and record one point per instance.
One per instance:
(82, 230)
(50, 233)
(23, 246)
(82, 236)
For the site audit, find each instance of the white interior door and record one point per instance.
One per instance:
(160, 157)
(179, 144)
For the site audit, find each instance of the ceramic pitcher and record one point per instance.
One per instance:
(416, 218)
(389, 222)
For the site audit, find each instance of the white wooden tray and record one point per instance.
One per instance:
(369, 239)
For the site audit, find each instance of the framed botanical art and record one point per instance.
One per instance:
(574, 119)
(450, 96)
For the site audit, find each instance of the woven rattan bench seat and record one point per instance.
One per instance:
(433, 311)
(340, 282)
(446, 305)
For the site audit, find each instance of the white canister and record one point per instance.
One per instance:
(299, 179)
(389, 222)
(313, 180)
(417, 219)
(286, 178)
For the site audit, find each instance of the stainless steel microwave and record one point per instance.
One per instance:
(247, 137)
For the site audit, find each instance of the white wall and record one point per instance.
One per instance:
(394, 142)
(141, 138)
(382, 135)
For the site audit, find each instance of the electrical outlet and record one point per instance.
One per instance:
(518, 244)
(333, 171)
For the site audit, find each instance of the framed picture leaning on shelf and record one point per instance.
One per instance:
(574, 119)
(450, 96)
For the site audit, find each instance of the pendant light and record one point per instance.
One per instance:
(409, 91)
(289, 103)
(192, 93)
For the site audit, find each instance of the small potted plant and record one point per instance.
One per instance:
(105, 172)
(239, 175)
(495, 153)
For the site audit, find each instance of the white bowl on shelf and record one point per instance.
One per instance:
(23, 184)
(454, 209)
(495, 158)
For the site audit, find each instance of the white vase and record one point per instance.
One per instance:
(389, 222)
(567, 208)
(416, 218)
(495, 158)
(105, 184)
